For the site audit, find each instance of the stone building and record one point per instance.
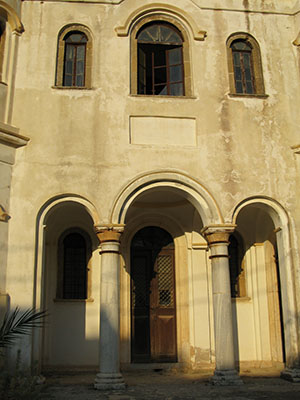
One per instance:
(149, 182)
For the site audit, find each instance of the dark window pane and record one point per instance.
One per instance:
(68, 80)
(176, 89)
(159, 33)
(249, 87)
(69, 67)
(236, 59)
(238, 73)
(76, 38)
(160, 75)
(175, 56)
(80, 52)
(75, 271)
(79, 80)
(239, 86)
(248, 76)
(246, 60)
(159, 58)
(161, 90)
(241, 45)
(176, 73)
(79, 67)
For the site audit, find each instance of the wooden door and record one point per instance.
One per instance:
(153, 302)
(162, 309)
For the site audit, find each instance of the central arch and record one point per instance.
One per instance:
(189, 188)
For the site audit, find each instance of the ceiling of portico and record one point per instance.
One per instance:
(167, 203)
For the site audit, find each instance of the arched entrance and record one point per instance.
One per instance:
(264, 225)
(153, 298)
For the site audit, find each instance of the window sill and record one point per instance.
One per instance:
(72, 87)
(89, 300)
(240, 299)
(153, 96)
(250, 96)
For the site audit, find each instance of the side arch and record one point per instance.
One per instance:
(39, 262)
(191, 189)
(280, 219)
(10, 15)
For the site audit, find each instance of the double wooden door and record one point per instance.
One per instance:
(153, 305)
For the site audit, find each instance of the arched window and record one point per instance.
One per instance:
(74, 57)
(244, 63)
(74, 253)
(160, 58)
(74, 62)
(236, 266)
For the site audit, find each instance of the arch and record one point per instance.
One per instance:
(251, 81)
(12, 17)
(191, 189)
(280, 219)
(64, 32)
(165, 10)
(39, 260)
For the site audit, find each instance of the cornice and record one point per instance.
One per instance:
(10, 136)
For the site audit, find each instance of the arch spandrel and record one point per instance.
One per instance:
(189, 188)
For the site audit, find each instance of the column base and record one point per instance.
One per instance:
(109, 381)
(226, 378)
(291, 374)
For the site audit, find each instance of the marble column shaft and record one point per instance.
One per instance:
(217, 238)
(109, 376)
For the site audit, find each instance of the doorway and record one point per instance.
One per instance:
(153, 297)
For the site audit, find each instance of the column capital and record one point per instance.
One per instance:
(217, 233)
(109, 232)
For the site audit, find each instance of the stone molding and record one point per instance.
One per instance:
(215, 234)
(165, 9)
(3, 215)
(296, 147)
(109, 232)
(10, 135)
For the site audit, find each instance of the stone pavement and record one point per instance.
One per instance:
(152, 385)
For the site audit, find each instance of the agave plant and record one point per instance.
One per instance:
(17, 323)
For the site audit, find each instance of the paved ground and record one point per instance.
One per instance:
(172, 386)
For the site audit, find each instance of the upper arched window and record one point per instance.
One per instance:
(160, 57)
(74, 57)
(244, 63)
(160, 61)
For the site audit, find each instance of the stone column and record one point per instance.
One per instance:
(225, 372)
(109, 376)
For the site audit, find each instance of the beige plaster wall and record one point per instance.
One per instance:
(80, 138)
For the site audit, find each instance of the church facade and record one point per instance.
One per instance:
(149, 162)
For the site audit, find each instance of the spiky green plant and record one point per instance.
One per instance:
(17, 323)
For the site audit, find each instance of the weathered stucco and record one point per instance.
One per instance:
(93, 143)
